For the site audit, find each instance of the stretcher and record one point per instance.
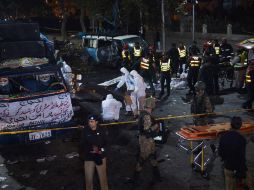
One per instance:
(196, 139)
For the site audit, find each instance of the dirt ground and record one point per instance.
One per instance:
(56, 164)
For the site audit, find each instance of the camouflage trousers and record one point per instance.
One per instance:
(147, 152)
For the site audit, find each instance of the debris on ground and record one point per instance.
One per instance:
(12, 162)
(2, 179)
(39, 160)
(43, 172)
(4, 186)
(72, 155)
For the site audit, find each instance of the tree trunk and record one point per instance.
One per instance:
(81, 19)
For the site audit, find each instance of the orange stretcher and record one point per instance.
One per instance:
(196, 133)
(196, 139)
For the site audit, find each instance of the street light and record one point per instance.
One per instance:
(194, 2)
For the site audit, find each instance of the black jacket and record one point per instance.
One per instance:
(232, 147)
(92, 138)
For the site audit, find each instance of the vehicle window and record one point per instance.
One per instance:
(90, 43)
(30, 84)
(104, 43)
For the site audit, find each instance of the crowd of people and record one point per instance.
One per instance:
(202, 68)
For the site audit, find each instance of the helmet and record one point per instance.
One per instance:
(44, 77)
(200, 85)
(125, 46)
(4, 81)
(150, 103)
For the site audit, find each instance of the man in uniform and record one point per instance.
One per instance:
(226, 51)
(146, 69)
(148, 129)
(165, 70)
(249, 82)
(201, 104)
(182, 57)
(137, 53)
(173, 55)
(126, 57)
(192, 77)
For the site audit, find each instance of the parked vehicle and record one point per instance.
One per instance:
(35, 97)
(107, 49)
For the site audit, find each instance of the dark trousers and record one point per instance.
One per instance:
(147, 75)
(192, 78)
(182, 61)
(136, 64)
(250, 98)
(165, 77)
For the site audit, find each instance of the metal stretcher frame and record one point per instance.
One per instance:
(199, 144)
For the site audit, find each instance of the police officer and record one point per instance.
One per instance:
(217, 48)
(173, 55)
(154, 60)
(148, 129)
(182, 57)
(94, 142)
(137, 54)
(192, 77)
(206, 74)
(146, 69)
(226, 51)
(165, 71)
(193, 49)
(126, 57)
(201, 104)
(209, 50)
(249, 82)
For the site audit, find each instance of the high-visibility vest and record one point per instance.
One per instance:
(124, 56)
(137, 52)
(195, 61)
(243, 59)
(217, 49)
(182, 52)
(248, 78)
(144, 64)
(165, 66)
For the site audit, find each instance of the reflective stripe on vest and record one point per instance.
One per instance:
(248, 78)
(195, 62)
(165, 66)
(124, 56)
(217, 50)
(144, 64)
(182, 52)
(137, 52)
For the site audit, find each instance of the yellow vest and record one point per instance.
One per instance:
(165, 66)
(144, 64)
(217, 50)
(137, 52)
(124, 56)
(195, 62)
(247, 78)
(182, 52)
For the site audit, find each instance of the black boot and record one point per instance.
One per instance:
(156, 174)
